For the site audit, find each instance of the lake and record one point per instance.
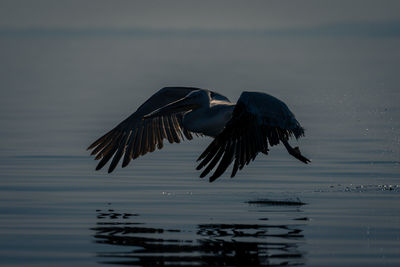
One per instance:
(63, 88)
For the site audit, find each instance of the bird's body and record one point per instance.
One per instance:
(240, 130)
(209, 120)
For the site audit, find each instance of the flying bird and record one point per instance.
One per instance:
(240, 130)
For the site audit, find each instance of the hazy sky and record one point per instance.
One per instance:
(266, 15)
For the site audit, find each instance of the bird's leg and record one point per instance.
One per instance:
(295, 152)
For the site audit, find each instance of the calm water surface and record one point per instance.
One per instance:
(61, 91)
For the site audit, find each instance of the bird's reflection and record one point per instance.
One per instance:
(136, 243)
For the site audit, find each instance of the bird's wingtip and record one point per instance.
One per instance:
(213, 178)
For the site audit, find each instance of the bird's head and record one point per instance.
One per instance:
(191, 101)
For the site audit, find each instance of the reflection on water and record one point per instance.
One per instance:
(216, 244)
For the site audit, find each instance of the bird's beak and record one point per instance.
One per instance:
(178, 106)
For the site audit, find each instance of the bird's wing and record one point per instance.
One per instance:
(258, 119)
(136, 136)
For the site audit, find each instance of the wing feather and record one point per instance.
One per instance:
(136, 136)
(216, 157)
(138, 143)
(110, 152)
(101, 146)
(154, 139)
(128, 152)
(101, 140)
(186, 133)
(120, 152)
(160, 135)
(173, 130)
(225, 161)
(237, 158)
(258, 119)
(162, 127)
(108, 147)
(168, 130)
(210, 153)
